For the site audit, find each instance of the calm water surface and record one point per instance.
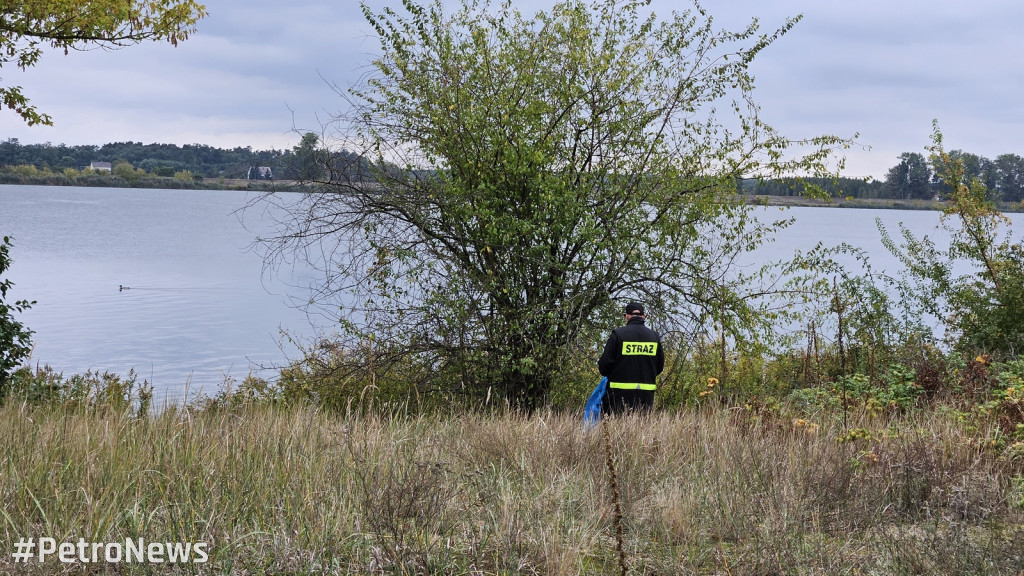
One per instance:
(200, 307)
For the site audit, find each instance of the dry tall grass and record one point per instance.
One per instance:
(295, 491)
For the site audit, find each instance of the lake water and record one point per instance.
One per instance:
(201, 307)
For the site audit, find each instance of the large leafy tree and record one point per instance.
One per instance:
(1010, 177)
(29, 26)
(309, 159)
(531, 174)
(910, 178)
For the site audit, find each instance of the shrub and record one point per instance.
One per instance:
(983, 311)
(15, 339)
(93, 390)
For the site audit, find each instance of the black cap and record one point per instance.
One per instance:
(634, 309)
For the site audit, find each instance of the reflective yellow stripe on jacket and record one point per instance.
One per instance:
(632, 386)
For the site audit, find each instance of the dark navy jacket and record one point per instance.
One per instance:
(633, 357)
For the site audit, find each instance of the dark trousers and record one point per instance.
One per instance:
(620, 400)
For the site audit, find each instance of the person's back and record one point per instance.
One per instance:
(632, 359)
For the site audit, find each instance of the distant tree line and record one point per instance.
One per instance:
(201, 161)
(913, 178)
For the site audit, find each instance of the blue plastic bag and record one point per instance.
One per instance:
(592, 411)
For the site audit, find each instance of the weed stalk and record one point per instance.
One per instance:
(614, 483)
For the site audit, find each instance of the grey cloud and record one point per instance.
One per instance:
(883, 68)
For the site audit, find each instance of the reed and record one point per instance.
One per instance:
(294, 490)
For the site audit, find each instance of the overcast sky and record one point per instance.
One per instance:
(256, 69)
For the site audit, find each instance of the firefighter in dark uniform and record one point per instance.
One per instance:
(632, 359)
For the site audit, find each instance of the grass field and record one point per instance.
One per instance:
(299, 491)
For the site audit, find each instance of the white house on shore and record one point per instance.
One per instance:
(100, 166)
(261, 173)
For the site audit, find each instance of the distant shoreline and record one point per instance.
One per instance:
(154, 183)
(749, 199)
(863, 203)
